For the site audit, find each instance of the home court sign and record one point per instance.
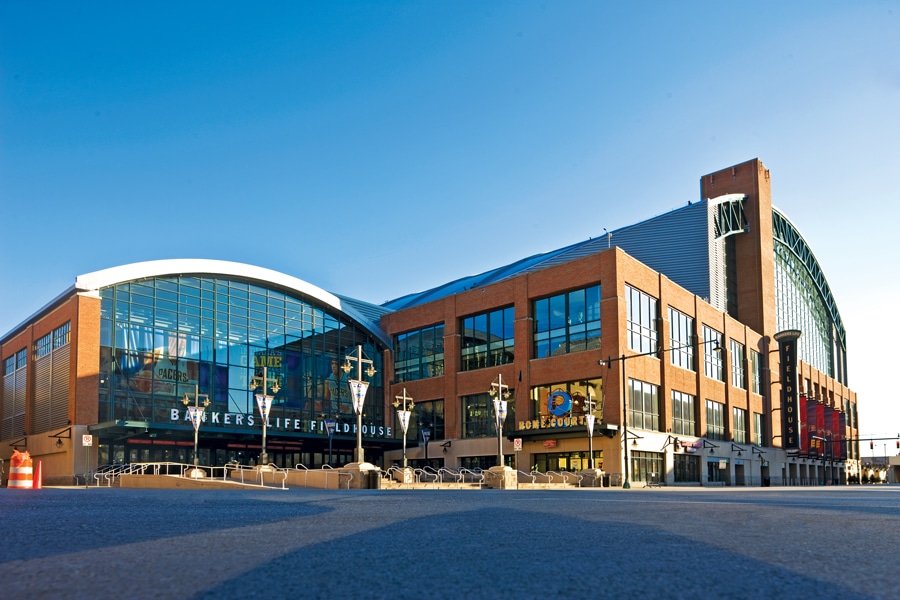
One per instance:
(790, 395)
(559, 405)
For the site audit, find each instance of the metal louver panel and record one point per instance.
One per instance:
(59, 388)
(43, 374)
(13, 423)
(51, 391)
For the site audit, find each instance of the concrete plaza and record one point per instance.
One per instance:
(827, 542)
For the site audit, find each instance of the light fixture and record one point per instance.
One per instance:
(59, 443)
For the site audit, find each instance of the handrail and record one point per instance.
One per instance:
(531, 475)
(455, 475)
(477, 475)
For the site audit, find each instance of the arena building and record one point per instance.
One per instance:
(700, 347)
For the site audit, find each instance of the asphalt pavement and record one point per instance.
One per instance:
(827, 542)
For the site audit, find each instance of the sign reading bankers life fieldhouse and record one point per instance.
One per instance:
(790, 397)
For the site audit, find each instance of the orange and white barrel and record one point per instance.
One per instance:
(21, 474)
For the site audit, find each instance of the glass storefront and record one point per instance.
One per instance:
(167, 338)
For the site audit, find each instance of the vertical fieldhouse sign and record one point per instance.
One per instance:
(790, 395)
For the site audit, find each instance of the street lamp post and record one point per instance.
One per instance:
(824, 454)
(626, 484)
(755, 450)
(500, 393)
(264, 403)
(196, 413)
(358, 389)
(589, 422)
(403, 414)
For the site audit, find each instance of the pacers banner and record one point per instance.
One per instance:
(790, 398)
(804, 426)
(812, 428)
(264, 403)
(358, 391)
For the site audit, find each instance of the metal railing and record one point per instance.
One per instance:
(328, 471)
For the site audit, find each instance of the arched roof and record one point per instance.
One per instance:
(92, 282)
(784, 232)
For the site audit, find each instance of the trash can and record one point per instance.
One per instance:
(766, 482)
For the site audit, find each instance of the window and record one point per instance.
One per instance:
(712, 358)
(61, 336)
(567, 323)
(426, 414)
(488, 340)
(683, 420)
(642, 320)
(681, 331)
(687, 468)
(43, 346)
(478, 416)
(644, 410)
(715, 420)
(755, 372)
(645, 463)
(738, 355)
(739, 425)
(567, 398)
(759, 437)
(419, 354)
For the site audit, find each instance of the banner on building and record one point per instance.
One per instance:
(790, 398)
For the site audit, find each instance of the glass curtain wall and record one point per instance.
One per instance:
(166, 337)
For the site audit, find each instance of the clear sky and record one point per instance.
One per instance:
(379, 148)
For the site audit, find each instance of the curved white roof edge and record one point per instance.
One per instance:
(181, 266)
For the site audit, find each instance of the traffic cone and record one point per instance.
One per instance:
(36, 482)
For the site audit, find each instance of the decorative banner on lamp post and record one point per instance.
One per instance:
(358, 394)
(330, 424)
(196, 415)
(262, 401)
(589, 420)
(500, 411)
(403, 415)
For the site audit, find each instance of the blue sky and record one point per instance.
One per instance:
(380, 148)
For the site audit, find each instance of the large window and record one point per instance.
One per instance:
(643, 315)
(738, 358)
(478, 416)
(683, 420)
(488, 340)
(681, 331)
(715, 420)
(739, 425)
(759, 431)
(687, 468)
(566, 461)
(643, 464)
(428, 415)
(644, 410)
(755, 372)
(567, 323)
(567, 398)
(165, 337)
(712, 354)
(419, 354)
